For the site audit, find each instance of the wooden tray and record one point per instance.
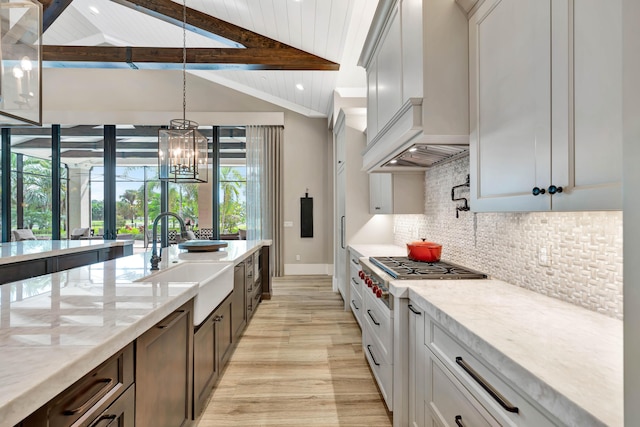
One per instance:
(203, 245)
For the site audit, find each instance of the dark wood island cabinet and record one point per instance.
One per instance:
(164, 360)
(49, 262)
(104, 394)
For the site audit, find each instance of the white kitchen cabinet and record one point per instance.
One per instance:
(389, 60)
(356, 284)
(351, 193)
(417, 85)
(456, 382)
(377, 343)
(372, 99)
(545, 103)
(416, 367)
(398, 193)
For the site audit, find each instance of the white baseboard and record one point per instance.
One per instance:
(307, 269)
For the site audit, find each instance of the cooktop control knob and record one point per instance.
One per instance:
(375, 289)
(361, 274)
(368, 282)
(380, 292)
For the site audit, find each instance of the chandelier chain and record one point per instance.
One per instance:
(184, 60)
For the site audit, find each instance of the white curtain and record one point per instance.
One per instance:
(264, 189)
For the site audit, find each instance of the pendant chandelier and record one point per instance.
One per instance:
(20, 62)
(183, 151)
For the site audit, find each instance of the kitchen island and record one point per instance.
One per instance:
(31, 258)
(562, 359)
(56, 328)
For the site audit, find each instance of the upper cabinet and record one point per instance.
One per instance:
(416, 57)
(398, 193)
(545, 105)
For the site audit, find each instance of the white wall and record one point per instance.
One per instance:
(153, 97)
(306, 167)
(631, 135)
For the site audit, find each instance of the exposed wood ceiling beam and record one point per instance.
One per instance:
(171, 12)
(51, 9)
(197, 58)
(261, 52)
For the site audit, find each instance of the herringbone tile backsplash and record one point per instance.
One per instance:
(585, 247)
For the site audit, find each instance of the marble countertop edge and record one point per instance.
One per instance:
(12, 411)
(547, 397)
(86, 245)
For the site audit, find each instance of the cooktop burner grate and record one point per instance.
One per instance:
(405, 268)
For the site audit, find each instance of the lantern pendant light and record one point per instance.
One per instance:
(20, 63)
(182, 150)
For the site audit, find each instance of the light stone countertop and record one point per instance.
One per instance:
(56, 328)
(12, 252)
(566, 358)
(379, 250)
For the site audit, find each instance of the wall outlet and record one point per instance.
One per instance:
(288, 224)
(544, 256)
(297, 257)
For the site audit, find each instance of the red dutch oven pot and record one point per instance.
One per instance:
(424, 251)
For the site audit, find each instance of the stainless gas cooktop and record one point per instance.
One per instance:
(405, 268)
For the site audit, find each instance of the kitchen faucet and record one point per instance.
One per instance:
(155, 259)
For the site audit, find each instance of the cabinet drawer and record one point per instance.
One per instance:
(378, 320)
(477, 375)
(354, 259)
(381, 368)
(120, 414)
(448, 402)
(356, 305)
(85, 400)
(355, 281)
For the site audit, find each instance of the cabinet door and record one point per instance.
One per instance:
(340, 254)
(587, 127)
(380, 193)
(164, 357)
(510, 105)
(224, 332)
(205, 364)
(239, 301)
(372, 100)
(416, 361)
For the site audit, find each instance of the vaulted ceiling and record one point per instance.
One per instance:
(293, 53)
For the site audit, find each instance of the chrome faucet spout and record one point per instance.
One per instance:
(155, 259)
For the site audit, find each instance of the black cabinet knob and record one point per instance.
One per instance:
(537, 191)
(553, 189)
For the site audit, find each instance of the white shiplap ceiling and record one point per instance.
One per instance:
(332, 29)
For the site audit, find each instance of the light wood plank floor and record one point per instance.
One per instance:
(299, 363)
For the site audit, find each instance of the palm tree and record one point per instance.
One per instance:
(230, 185)
(129, 202)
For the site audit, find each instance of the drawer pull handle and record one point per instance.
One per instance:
(100, 420)
(257, 298)
(173, 317)
(488, 387)
(105, 383)
(375, 322)
(414, 311)
(375, 362)
(355, 261)
(459, 421)
(355, 282)
(353, 302)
